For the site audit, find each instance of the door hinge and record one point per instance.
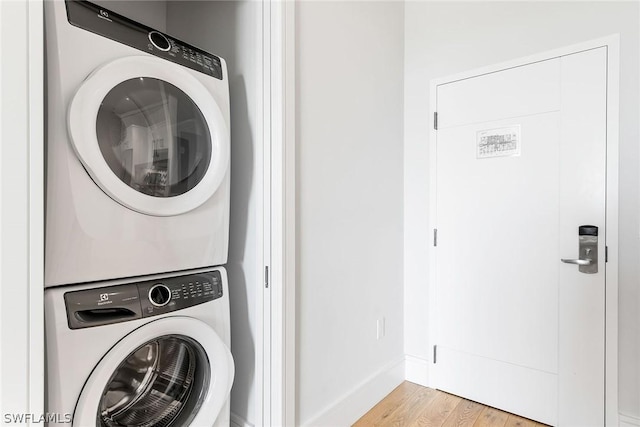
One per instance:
(435, 349)
(435, 237)
(266, 276)
(606, 254)
(435, 120)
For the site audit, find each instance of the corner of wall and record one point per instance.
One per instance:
(347, 409)
(416, 370)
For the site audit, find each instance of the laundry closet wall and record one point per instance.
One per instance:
(444, 38)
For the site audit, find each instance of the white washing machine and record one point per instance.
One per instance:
(149, 353)
(137, 149)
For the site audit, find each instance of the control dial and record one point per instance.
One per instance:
(159, 41)
(159, 295)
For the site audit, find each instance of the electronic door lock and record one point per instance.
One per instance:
(587, 261)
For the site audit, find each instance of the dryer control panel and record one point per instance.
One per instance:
(121, 303)
(98, 20)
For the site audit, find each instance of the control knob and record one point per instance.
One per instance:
(159, 295)
(159, 41)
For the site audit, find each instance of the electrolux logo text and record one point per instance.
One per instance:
(22, 418)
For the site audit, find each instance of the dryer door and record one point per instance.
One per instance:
(150, 134)
(174, 371)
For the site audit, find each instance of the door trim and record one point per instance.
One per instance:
(22, 216)
(611, 292)
(278, 299)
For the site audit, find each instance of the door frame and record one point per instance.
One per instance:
(612, 43)
(22, 213)
(277, 301)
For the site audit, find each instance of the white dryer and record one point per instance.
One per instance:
(150, 353)
(137, 149)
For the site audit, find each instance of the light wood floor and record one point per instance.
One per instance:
(413, 405)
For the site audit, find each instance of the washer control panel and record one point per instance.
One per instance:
(98, 20)
(175, 293)
(114, 304)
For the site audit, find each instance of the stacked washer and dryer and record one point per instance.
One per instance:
(137, 224)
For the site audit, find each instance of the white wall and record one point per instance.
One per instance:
(230, 29)
(443, 38)
(349, 189)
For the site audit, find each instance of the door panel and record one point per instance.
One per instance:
(500, 95)
(516, 328)
(498, 237)
(582, 201)
(511, 385)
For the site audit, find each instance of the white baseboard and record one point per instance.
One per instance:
(238, 421)
(416, 370)
(350, 407)
(629, 421)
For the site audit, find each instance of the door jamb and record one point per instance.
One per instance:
(279, 298)
(612, 123)
(22, 219)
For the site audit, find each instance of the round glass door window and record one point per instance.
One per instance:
(160, 384)
(153, 137)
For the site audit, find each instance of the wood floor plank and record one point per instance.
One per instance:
(439, 409)
(411, 405)
(491, 417)
(406, 413)
(516, 421)
(464, 415)
(379, 413)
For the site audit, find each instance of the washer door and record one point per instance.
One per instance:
(171, 372)
(150, 135)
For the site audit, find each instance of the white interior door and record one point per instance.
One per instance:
(521, 164)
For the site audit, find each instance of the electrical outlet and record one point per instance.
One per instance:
(380, 328)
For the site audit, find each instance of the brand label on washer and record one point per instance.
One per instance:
(498, 142)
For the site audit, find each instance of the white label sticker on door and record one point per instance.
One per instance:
(498, 142)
